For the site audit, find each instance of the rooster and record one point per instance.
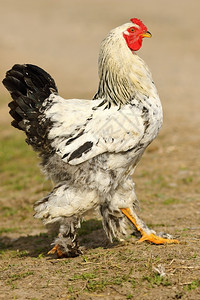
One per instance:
(90, 149)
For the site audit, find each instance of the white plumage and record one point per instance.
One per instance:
(90, 148)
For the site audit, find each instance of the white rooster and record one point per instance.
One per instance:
(91, 148)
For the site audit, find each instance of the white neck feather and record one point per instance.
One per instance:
(124, 76)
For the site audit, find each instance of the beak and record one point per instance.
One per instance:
(146, 34)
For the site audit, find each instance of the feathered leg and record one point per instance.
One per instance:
(113, 222)
(66, 243)
(64, 206)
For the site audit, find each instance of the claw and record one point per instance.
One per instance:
(56, 249)
(60, 254)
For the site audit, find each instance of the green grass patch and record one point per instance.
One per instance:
(7, 211)
(83, 276)
(187, 180)
(7, 230)
(160, 180)
(13, 253)
(156, 280)
(170, 201)
(19, 166)
(193, 285)
(16, 155)
(18, 276)
(155, 225)
(98, 281)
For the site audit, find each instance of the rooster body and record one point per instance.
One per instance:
(90, 148)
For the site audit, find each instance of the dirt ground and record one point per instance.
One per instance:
(63, 37)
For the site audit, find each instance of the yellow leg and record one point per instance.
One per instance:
(149, 237)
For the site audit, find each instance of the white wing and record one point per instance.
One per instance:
(83, 129)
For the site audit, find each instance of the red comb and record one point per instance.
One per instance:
(139, 23)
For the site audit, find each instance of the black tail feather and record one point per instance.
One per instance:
(29, 86)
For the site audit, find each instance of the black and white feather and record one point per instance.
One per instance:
(88, 148)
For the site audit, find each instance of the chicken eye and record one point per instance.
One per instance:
(132, 29)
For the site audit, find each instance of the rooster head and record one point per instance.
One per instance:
(135, 34)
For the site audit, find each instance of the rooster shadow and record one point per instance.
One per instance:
(90, 236)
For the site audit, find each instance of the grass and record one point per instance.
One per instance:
(13, 253)
(20, 178)
(14, 277)
(18, 164)
(157, 280)
(7, 211)
(129, 296)
(96, 281)
(7, 230)
(170, 201)
(193, 285)
(20, 275)
(187, 180)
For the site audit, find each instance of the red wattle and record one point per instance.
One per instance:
(133, 43)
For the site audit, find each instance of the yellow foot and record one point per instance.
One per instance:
(152, 238)
(56, 249)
